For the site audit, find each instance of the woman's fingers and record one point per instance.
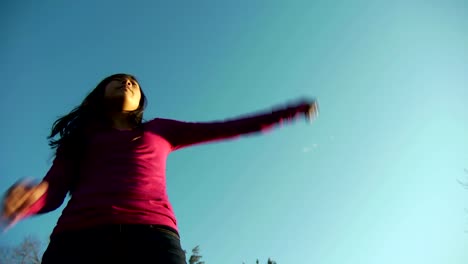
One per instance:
(313, 111)
(14, 197)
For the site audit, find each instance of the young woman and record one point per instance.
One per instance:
(113, 166)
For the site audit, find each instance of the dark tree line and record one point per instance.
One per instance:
(268, 262)
(30, 251)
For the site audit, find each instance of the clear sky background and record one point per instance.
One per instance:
(373, 180)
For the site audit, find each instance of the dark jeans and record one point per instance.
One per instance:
(116, 244)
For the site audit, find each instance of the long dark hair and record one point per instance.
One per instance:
(69, 132)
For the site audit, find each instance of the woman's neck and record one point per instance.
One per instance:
(120, 121)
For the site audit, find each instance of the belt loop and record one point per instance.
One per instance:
(120, 228)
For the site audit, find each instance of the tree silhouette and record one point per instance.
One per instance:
(195, 257)
(270, 261)
(27, 252)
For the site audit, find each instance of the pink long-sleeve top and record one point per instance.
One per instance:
(122, 179)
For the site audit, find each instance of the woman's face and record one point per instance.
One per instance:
(125, 90)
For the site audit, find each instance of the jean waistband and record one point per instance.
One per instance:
(123, 228)
(141, 227)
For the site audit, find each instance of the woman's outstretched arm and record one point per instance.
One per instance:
(183, 134)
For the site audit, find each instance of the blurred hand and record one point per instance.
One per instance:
(313, 111)
(18, 199)
(309, 107)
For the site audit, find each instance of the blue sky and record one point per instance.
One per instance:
(372, 180)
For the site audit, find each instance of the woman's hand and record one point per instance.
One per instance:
(18, 199)
(313, 110)
(308, 107)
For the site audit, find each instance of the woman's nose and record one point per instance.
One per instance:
(127, 82)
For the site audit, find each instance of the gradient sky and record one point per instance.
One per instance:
(373, 180)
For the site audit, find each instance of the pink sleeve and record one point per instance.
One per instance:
(183, 134)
